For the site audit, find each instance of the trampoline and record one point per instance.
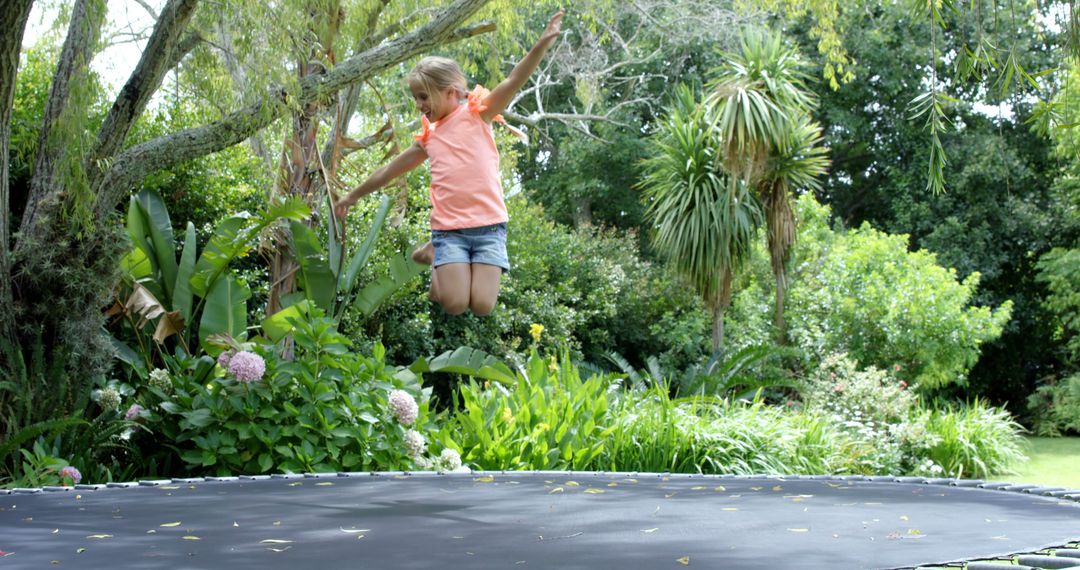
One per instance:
(538, 520)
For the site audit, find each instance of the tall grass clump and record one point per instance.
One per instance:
(973, 440)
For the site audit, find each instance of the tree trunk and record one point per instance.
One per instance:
(719, 309)
(778, 317)
(12, 26)
(87, 18)
(582, 212)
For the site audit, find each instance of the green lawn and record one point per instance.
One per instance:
(1052, 461)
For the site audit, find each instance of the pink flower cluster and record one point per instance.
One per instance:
(133, 412)
(72, 473)
(403, 407)
(246, 366)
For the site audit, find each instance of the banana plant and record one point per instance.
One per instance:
(327, 281)
(174, 294)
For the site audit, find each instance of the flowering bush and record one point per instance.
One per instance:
(327, 409)
(838, 387)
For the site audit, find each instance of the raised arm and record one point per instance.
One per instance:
(501, 96)
(412, 157)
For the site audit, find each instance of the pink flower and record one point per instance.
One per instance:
(903, 384)
(247, 366)
(403, 407)
(72, 473)
(224, 358)
(133, 412)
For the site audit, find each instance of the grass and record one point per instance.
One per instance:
(1053, 461)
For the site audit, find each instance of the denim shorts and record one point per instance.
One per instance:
(486, 244)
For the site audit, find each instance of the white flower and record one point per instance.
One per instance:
(160, 379)
(403, 407)
(414, 443)
(450, 459)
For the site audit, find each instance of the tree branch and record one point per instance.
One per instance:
(12, 27)
(135, 163)
(142, 84)
(83, 32)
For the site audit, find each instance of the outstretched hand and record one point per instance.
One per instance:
(342, 207)
(552, 31)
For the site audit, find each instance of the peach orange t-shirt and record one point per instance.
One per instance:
(465, 187)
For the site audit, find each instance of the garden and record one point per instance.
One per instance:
(750, 237)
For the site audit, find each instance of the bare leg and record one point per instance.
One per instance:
(450, 287)
(424, 254)
(485, 288)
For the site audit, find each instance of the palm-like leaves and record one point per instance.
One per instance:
(704, 221)
(761, 106)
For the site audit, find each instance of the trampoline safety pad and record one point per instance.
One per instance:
(529, 520)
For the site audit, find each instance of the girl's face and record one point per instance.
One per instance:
(434, 106)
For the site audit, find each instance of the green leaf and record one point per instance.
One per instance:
(316, 278)
(225, 245)
(226, 309)
(278, 325)
(347, 280)
(182, 294)
(158, 237)
(402, 269)
(468, 361)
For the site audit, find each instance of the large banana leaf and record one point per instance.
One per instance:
(182, 295)
(148, 222)
(225, 311)
(235, 237)
(347, 279)
(316, 277)
(401, 270)
(468, 361)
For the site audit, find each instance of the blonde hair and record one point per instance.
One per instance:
(435, 74)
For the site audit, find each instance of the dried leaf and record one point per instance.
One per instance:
(777, 488)
(191, 537)
(799, 529)
(729, 509)
(571, 483)
(274, 541)
(756, 488)
(324, 484)
(594, 491)
(97, 536)
(351, 530)
(649, 530)
(685, 560)
(279, 549)
(171, 524)
(698, 488)
(613, 484)
(80, 551)
(720, 488)
(556, 490)
(485, 479)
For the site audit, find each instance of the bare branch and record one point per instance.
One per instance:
(149, 9)
(135, 163)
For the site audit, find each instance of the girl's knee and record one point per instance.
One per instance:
(454, 306)
(482, 307)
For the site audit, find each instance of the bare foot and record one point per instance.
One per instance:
(424, 254)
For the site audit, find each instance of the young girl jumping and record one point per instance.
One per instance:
(467, 250)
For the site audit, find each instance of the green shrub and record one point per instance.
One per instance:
(550, 418)
(838, 388)
(1054, 408)
(867, 295)
(327, 409)
(974, 440)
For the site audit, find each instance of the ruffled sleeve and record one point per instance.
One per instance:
(477, 105)
(424, 135)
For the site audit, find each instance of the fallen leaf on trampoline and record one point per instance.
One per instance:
(4, 553)
(99, 536)
(756, 488)
(571, 483)
(685, 560)
(905, 517)
(613, 484)
(670, 495)
(729, 509)
(55, 531)
(631, 480)
(191, 537)
(277, 523)
(151, 531)
(177, 523)
(777, 488)
(487, 479)
(649, 530)
(698, 488)
(999, 537)
(914, 531)
(80, 551)
(278, 549)
(872, 504)
(274, 541)
(354, 530)
(591, 491)
(799, 529)
(295, 484)
(324, 484)
(168, 488)
(720, 488)
(556, 490)
(234, 524)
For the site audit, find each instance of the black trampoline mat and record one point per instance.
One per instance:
(526, 520)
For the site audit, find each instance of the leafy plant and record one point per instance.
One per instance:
(327, 409)
(1054, 408)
